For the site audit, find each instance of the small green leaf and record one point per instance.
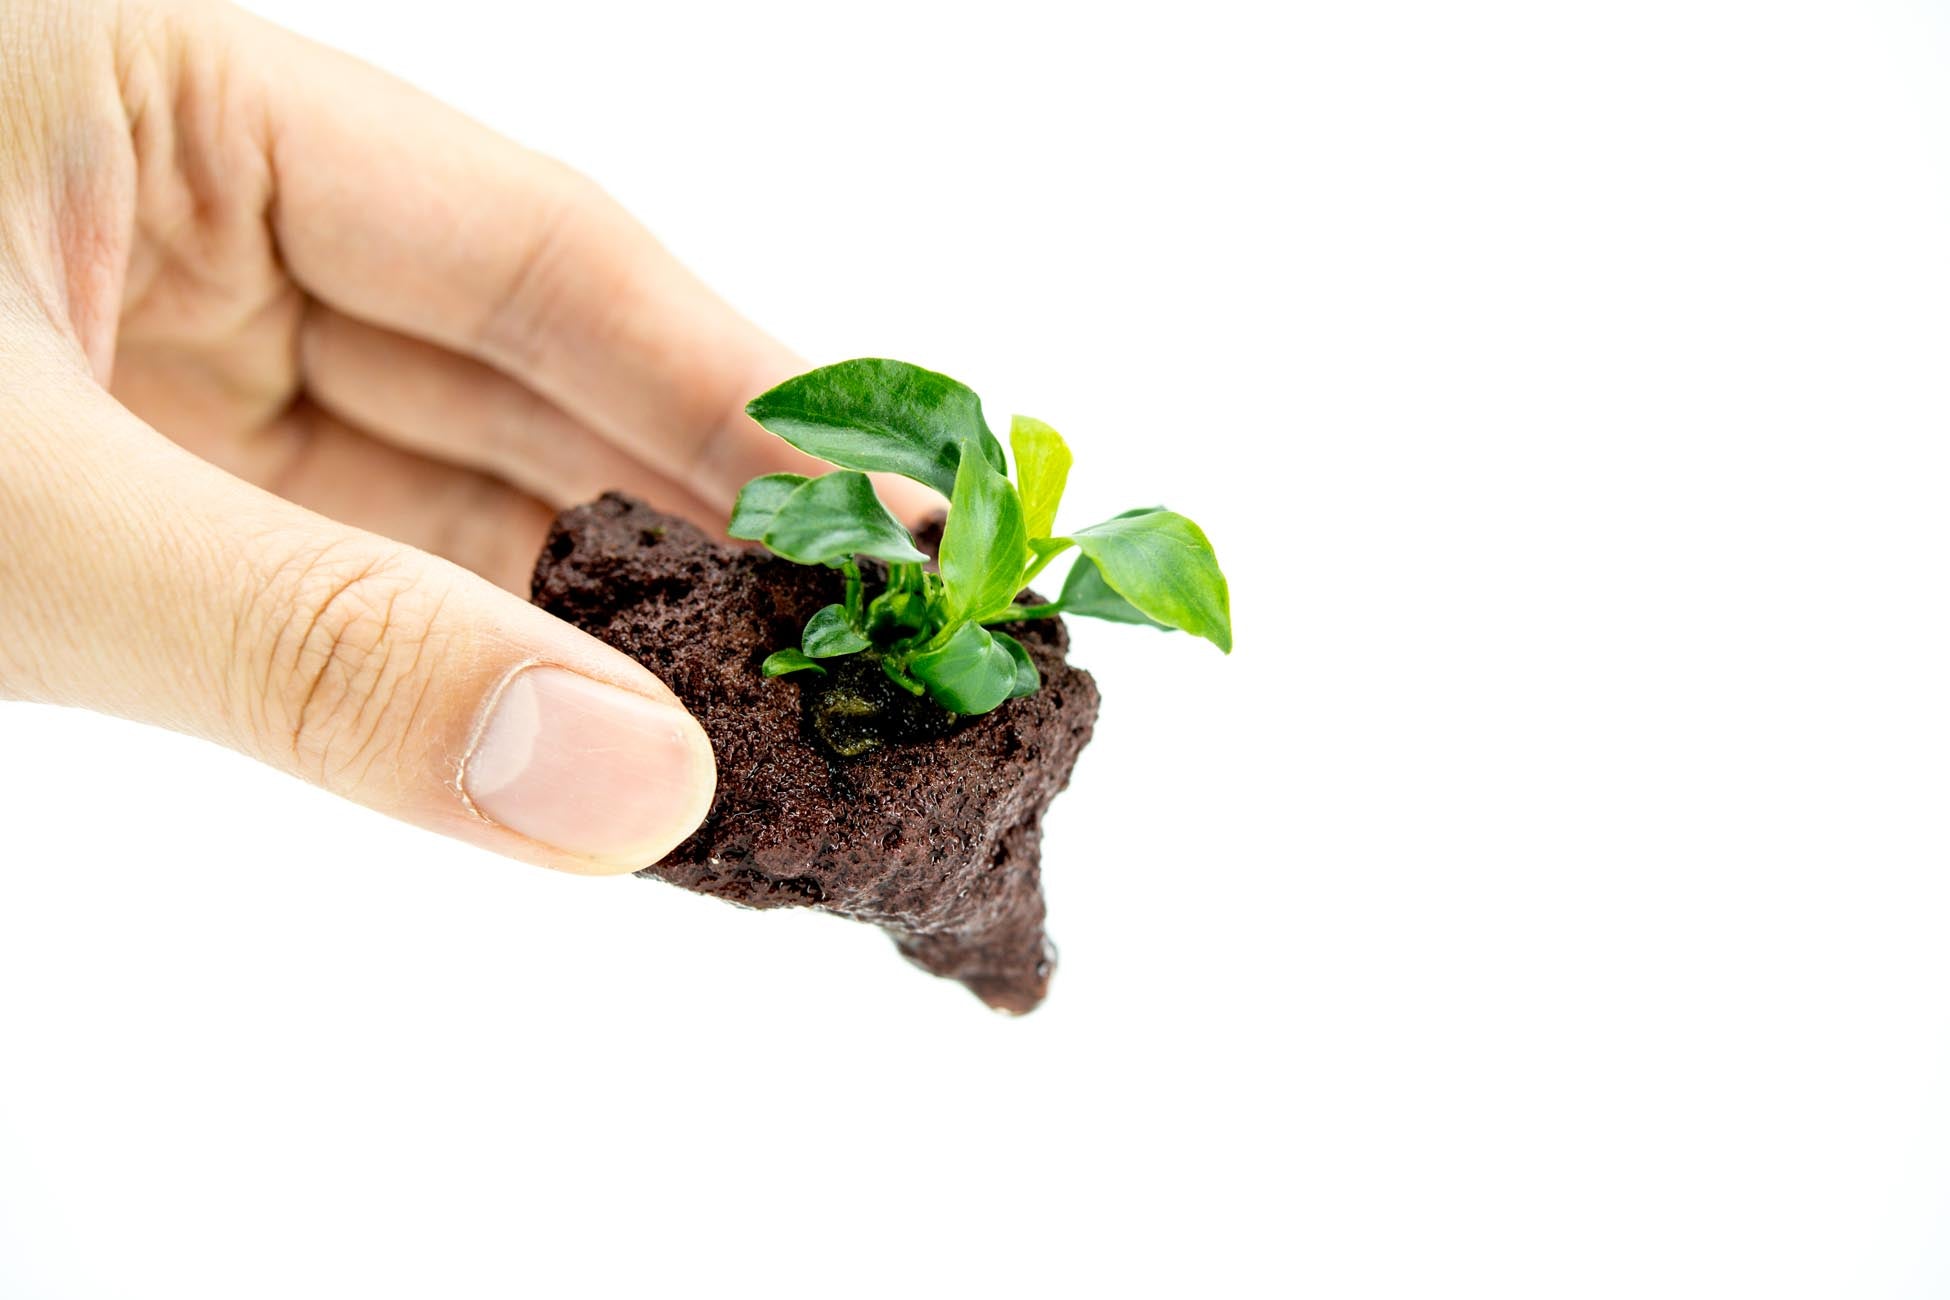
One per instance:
(1085, 592)
(983, 544)
(971, 674)
(1163, 565)
(836, 515)
(874, 414)
(1028, 680)
(828, 633)
(759, 502)
(1042, 469)
(787, 661)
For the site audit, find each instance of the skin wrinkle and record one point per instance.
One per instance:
(27, 142)
(57, 164)
(223, 171)
(275, 588)
(262, 587)
(239, 403)
(43, 579)
(205, 213)
(376, 698)
(137, 78)
(96, 195)
(98, 183)
(244, 615)
(421, 698)
(198, 551)
(24, 602)
(344, 610)
(166, 544)
(512, 332)
(700, 426)
(699, 418)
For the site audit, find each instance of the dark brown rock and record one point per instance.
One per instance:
(938, 841)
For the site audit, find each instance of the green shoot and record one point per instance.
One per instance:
(933, 631)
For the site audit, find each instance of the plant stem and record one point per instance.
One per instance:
(1015, 613)
(901, 679)
(1036, 566)
(940, 638)
(852, 570)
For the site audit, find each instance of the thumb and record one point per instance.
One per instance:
(138, 580)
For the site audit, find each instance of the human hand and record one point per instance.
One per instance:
(257, 299)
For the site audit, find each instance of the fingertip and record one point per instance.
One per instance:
(608, 779)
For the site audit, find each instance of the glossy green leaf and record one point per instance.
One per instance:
(971, 674)
(874, 414)
(837, 515)
(984, 542)
(1042, 469)
(759, 502)
(1028, 680)
(1163, 565)
(1085, 592)
(828, 633)
(787, 661)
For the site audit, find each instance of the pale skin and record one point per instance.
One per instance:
(296, 364)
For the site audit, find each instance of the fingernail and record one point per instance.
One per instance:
(589, 769)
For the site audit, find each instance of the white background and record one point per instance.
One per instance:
(1549, 899)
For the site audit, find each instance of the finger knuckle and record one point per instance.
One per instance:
(514, 329)
(566, 224)
(346, 662)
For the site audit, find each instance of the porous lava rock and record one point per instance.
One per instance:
(936, 839)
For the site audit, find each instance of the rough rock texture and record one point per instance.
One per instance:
(937, 841)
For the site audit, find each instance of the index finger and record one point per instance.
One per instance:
(396, 209)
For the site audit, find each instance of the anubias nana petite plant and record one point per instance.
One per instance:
(933, 631)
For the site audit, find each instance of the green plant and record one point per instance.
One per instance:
(932, 631)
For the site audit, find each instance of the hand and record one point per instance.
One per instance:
(244, 279)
